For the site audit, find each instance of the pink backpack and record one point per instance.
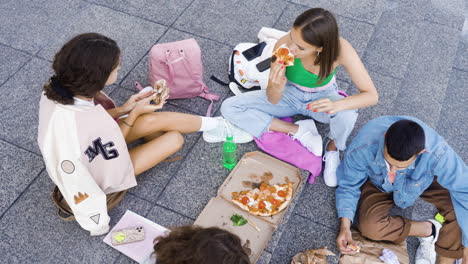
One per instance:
(179, 63)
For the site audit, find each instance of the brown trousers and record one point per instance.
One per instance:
(376, 223)
(65, 212)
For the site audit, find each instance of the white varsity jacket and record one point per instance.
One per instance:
(86, 157)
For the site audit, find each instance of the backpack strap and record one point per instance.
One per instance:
(138, 86)
(209, 96)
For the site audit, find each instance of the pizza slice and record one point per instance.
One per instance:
(160, 91)
(283, 53)
(267, 200)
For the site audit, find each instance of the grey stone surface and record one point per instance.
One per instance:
(394, 38)
(453, 126)
(387, 88)
(303, 234)
(16, 177)
(215, 62)
(20, 105)
(451, 13)
(12, 60)
(39, 236)
(198, 179)
(426, 81)
(153, 181)
(134, 36)
(461, 59)
(317, 203)
(162, 11)
(265, 258)
(356, 32)
(218, 20)
(30, 25)
(368, 11)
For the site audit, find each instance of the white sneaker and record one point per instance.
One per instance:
(223, 129)
(425, 254)
(309, 137)
(332, 160)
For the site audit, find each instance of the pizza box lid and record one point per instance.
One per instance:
(218, 213)
(255, 167)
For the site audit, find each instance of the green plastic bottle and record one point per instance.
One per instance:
(229, 153)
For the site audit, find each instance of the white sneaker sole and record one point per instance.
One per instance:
(213, 139)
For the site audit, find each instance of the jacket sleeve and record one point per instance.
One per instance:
(62, 156)
(452, 174)
(351, 175)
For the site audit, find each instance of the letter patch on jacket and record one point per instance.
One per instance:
(98, 148)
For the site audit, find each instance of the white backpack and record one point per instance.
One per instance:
(244, 73)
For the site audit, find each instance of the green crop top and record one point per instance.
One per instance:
(299, 75)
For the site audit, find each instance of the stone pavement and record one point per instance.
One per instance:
(415, 50)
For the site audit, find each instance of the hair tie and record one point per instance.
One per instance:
(64, 92)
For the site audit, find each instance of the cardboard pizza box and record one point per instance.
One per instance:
(218, 213)
(254, 168)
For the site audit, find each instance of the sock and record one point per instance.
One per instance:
(433, 230)
(209, 123)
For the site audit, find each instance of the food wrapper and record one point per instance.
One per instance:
(371, 251)
(389, 257)
(283, 53)
(312, 256)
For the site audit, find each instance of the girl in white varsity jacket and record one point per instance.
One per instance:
(84, 147)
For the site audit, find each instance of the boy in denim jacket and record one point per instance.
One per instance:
(393, 161)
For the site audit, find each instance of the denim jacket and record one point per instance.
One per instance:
(364, 160)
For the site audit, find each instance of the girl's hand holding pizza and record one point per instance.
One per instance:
(325, 105)
(144, 105)
(132, 101)
(277, 75)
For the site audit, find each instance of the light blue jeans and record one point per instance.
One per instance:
(253, 113)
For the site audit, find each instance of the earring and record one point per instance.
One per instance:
(318, 53)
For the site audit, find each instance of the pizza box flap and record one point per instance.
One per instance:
(218, 213)
(255, 167)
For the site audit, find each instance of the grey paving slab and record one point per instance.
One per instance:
(218, 20)
(451, 13)
(215, 58)
(134, 36)
(387, 88)
(356, 32)
(153, 181)
(317, 203)
(303, 234)
(452, 124)
(12, 60)
(393, 40)
(368, 11)
(426, 82)
(40, 236)
(265, 258)
(18, 168)
(20, 105)
(162, 11)
(199, 178)
(30, 25)
(461, 59)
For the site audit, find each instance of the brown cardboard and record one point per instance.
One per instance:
(251, 168)
(218, 213)
(219, 209)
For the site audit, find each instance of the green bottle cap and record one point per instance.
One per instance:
(229, 138)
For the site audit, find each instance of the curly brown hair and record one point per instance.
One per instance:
(194, 244)
(82, 67)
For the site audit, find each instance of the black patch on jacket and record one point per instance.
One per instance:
(98, 148)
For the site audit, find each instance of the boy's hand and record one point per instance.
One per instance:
(345, 237)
